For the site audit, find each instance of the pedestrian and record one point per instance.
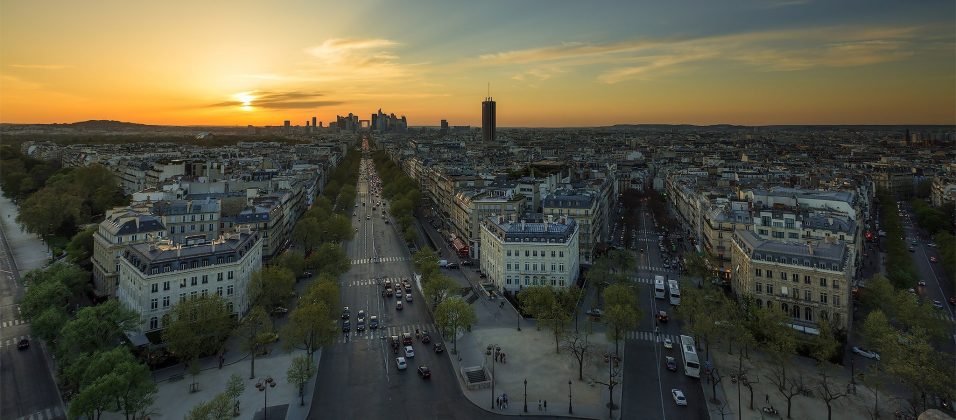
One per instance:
(545, 405)
(498, 402)
(767, 398)
(539, 405)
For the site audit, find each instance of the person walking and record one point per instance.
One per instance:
(539, 405)
(545, 405)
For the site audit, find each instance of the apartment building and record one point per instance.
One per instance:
(155, 276)
(122, 226)
(532, 251)
(589, 209)
(189, 218)
(475, 205)
(809, 280)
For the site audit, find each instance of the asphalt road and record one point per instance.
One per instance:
(28, 390)
(647, 383)
(358, 377)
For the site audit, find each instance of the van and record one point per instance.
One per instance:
(443, 263)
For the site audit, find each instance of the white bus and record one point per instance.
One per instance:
(674, 292)
(659, 291)
(689, 351)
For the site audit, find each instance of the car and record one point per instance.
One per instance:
(670, 363)
(373, 322)
(23, 344)
(662, 316)
(937, 304)
(931, 244)
(922, 283)
(399, 306)
(367, 217)
(409, 352)
(438, 347)
(346, 326)
(398, 292)
(466, 262)
(424, 372)
(408, 297)
(668, 343)
(595, 312)
(346, 313)
(866, 353)
(933, 259)
(360, 326)
(452, 265)
(361, 315)
(678, 396)
(402, 364)
(279, 311)
(912, 249)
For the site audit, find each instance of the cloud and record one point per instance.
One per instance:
(278, 100)
(41, 66)
(785, 50)
(344, 59)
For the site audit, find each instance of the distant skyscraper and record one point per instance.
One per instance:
(313, 122)
(488, 120)
(287, 123)
(444, 126)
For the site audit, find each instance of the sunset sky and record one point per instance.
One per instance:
(549, 62)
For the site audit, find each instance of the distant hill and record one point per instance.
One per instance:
(104, 125)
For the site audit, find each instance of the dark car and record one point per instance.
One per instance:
(452, 265)
(346, 313)
(438, 347)
(662, 316)
(373, 322)
(23, 344)
(426, 338)
(670, 363)
(466, 262)
(424, 372)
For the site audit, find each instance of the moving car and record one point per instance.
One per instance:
(670, 363)
(346, 327)
(402, 364)
(346, 313)
(679, 397)
(438, 347)
(662, 316)
(424, 372)
(399, 306)
(360, 326)
(373, 322)
(361, 315)
(406, 339)
(452, 265)
(398, 293)
(937, 304)
(932, 259)
(23, 344)
(408, 297)
(668, 344)
(409, 352)
(866, 353)
(426, 337)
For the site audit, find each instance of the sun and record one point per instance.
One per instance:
(245, 100)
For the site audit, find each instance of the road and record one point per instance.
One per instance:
(28, 389)
(647, 383)
(357, 376)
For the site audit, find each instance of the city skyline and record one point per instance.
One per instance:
(549, 64)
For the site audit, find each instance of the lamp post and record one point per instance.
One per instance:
(493, 350)
(570, 411)
(263, 386)
(525, 395)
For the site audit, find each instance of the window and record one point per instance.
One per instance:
(758, 272)
(166, 285)
(155, 287)
(836, 284)
(153, 323)
(509, 252)
(526, 266)
(508, 265)
(795, 277)
(823, 281)
(230, 275)
(788, 223)
(793, 235)
(759, 303)
(769, 274)
(561, 254)
(205, 278)
(552, 254)
(165, 301)
(778, 235)
(552, 267)
(836, 300)
(769, 289)
(783, 276)
(182, 266)
(806, 295)
(182, 229)
(534, 267)
(193, 281)
(154, 304)
(182, 297)
(229, 290)
(211, 227)
(204, 292)
(218, 276)
(193, 294)
(182, 283)
(534, 253)
(561, 267)
(172, 230)
(758, 287)
(229, 307)
(806, 279)
(527, 253)
(808, 314)
(764, 233)
(823, 298)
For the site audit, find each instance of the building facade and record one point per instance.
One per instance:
(535, 251)
(122, 227)
(155, 276)
(488, 120)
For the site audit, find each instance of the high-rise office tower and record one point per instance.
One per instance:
(444, 126)
(313, 122)
(488, 119)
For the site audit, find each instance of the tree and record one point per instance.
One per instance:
(47, 324)
(310, 326)
(326, 290)
(577, 345)
(830, 391)
(307, 234)
(701, 266)
(551, 307)
(338, 228)
(788, 386)
(253, 332)
(621, 312)
(453, 316)
(438, 287)
(292, 261)
(94, 399)
(299, 374)
(425, 261)
(80, 247)
(271, 287)
(330, 258)
(196, 327)
(234, 389)
(95, 328)
(131, 384)
(824, 345)
(219, 408)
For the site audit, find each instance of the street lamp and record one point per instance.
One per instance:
(493, 350)
(263, 386)
(525, 395)
(570, 411)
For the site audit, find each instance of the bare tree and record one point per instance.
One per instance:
(578, 346)
(715, 379)
(723, 410)
(788, 387)
(830, 391)
(613, 372)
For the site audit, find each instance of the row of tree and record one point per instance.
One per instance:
(899, 264)
(401, 191)
(340, 186)
(939, 223)
(23, 175)
(453, 315)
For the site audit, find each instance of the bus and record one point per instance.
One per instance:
(675, 292)
(659, 290)
(689, 350)
(460, 248)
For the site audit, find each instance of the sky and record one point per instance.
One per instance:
(549, 63)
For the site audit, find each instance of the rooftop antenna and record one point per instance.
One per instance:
(489, 90)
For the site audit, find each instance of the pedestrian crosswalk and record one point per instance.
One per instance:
(50, 413)
(945, 316)
(376, 281)
(650, 336)
(12, 323)
(12, 341)
(652, 268)
(378, 260)
(385, 332)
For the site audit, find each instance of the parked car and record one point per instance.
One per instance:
(937, 304)
(866, 353)
(402, 364)
(452, 265)
(679, 397)
(670, 363)
(424, 372)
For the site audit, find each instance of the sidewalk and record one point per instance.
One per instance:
(29, 252)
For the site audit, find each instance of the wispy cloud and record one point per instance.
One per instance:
(41, 66)
(786, 50)
(344, 59)
(277, 100)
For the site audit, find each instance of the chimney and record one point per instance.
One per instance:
(551, 218)
(522, 225)
(810, 248)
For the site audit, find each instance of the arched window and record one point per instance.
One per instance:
(795, 312)
(808, 314)
(784, 307)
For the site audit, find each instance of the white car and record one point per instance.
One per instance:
(866, 353)
(408, 297)
(409, 352)
(402, 364)
(668, 344)
(678, 396)
(398, 293)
